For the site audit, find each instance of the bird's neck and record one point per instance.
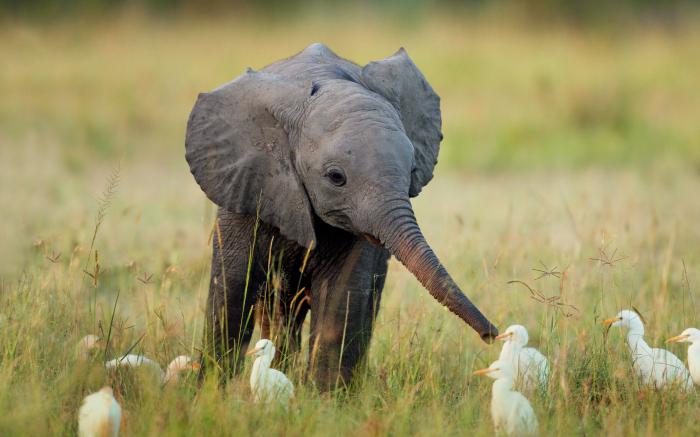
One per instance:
(168, 375)
(635, 339)
(694, 348)
(502, 387)
(636, 328)
(260, 365)
(508, 350)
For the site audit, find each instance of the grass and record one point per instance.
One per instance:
(559, 145)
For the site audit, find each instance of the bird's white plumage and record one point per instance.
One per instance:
(656, 367)
(692, 336)
(172, 372)
(268, 385)
(178, 365)
(87, 345)
(530, 367)
(100, 415)
(511, 412)
(132, 361)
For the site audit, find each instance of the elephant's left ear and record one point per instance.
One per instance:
(398, 80)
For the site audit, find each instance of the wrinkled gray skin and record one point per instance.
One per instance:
(330, 153)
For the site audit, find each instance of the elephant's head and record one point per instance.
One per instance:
(348, 146)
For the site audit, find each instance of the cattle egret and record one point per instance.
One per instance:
(530, 367)
(177, 366)
(172, 373)
(692, 336)
(100, 415)
(87, 345)
(132, 361)
(511, 411)
(268, 384)
(657, 367)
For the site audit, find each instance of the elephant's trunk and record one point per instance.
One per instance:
(398, 231)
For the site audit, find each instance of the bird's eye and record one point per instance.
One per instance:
(336, 176)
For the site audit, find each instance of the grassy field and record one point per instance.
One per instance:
(560, 147)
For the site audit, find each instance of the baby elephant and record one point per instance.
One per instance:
(312, 162)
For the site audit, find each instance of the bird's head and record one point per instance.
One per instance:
(516, 334)
(88, 345)
(625, 319)
(183, 362)
(497, 370)
(178, 365)
(690, 335)
(263, 348)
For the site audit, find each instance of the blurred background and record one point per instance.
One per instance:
(545, 88)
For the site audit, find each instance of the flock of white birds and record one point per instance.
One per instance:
(511, 411)
(517, 366)
(100, 414)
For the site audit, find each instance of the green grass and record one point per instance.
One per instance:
(557, 144)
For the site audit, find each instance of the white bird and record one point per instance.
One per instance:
(171, 374)
(87, 345)
(692, 336)
(133, 361)
(530, 367)
(268, 384)
(510, 410)
(656, 367)
(100, 415)
(177, 366)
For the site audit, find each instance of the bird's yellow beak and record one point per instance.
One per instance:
(677, 338)
(483, 371)
(608, 322)
(196, 366)
(504, 335)
(252, 351)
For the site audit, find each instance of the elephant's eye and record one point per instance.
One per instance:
(336, 176)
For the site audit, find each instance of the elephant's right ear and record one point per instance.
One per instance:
(238, 150)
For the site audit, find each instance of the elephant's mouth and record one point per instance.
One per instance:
(373, 240)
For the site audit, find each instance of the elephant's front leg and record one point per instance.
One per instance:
(281, 312)
(344, 304)
(232, 294)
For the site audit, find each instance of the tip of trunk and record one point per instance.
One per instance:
(489, 336)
